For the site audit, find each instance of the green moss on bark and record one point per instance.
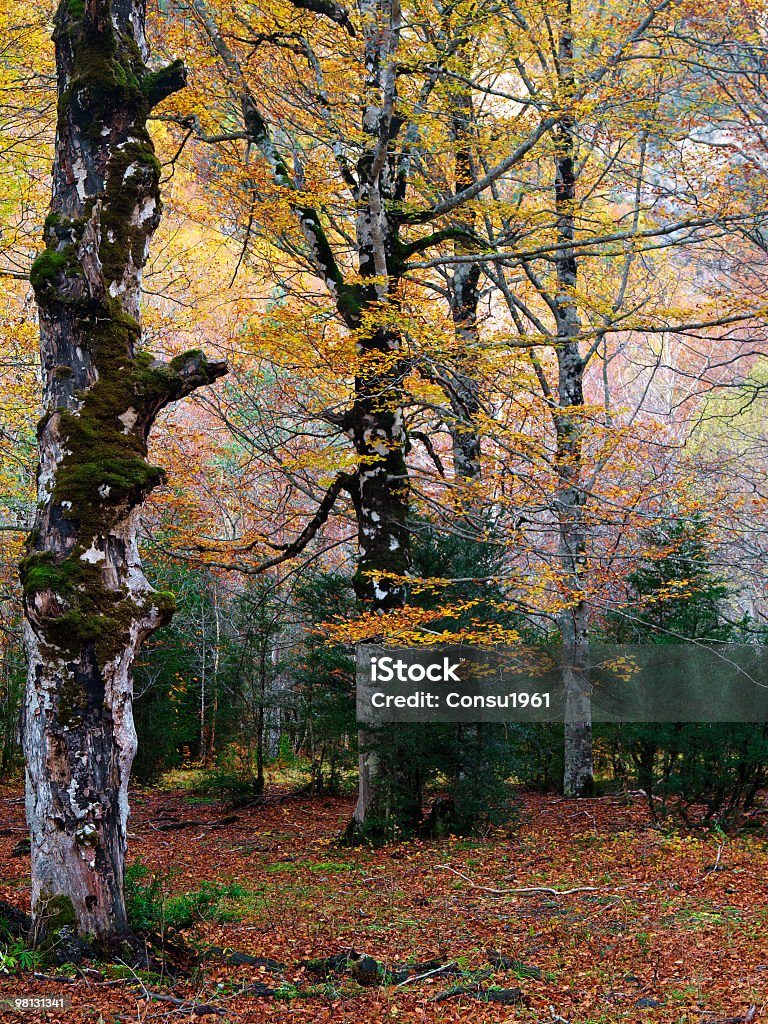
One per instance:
(39, 571)
(57, 938)
(156, 85)
(106, 75)
(133, 171)
(76, 9)
(165, 602)
(49, 270)
(103, 475)
(51, 222)
(86, 612)
(101, 430)
(58, 911)
(178, 362)
(350, 301)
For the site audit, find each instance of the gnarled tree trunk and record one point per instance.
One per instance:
(87, 603)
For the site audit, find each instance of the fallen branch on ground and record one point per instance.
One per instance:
(184, 1005)
(238, 959)
(747, 1018)
(505, 996)
(524, 889)
(444, 969)
(279, 798)
(174, 826)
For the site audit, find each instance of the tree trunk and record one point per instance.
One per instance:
(211, 752)
(578, 777)
(388, 795)
(203, 741)
(381, 489)
(568, 415)
(87, 603)
(463, 389)
(260, 714)
(380, 492)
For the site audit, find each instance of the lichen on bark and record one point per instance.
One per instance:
(87, 602)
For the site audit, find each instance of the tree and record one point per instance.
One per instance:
(87, 603)
(706, 771)
(358, 232)
(614, 156)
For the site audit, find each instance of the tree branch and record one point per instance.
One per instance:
(334, 12)
(258, 133)
(443, 235)
(287, 551)
(163, 383)
(158, 85)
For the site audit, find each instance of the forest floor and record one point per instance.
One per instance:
(659, 925)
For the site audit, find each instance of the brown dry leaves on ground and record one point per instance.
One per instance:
(654, 934)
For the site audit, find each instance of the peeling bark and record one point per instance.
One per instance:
(87, 603)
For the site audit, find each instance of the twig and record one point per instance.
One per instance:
(523, 889)
(557, 892)
(174, 826)
(748, 1017)
(717, 858)
(184, 1005)
(428, 974)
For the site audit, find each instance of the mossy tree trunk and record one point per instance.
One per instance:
(87, 603)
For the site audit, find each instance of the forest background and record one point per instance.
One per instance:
(560, 349)
(489, 281)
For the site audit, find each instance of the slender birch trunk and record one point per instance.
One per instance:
(87, 603)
